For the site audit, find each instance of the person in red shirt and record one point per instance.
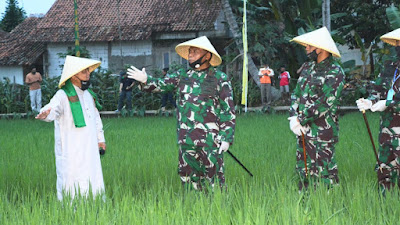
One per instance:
(284, 84)
(265, 75)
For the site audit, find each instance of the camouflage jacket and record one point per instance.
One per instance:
(206, 112)
(315, 99)
(390, 118)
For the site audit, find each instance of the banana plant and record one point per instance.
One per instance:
(393, 16)
(365, 51)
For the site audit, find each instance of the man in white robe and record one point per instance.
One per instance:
(78, 131)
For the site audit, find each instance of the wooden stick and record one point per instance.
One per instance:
(372, 140)
(237, 160)
(304, 153)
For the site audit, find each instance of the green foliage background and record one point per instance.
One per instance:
(13, 16)
(271, 24)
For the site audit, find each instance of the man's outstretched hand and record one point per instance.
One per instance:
(136, 74)
(102, 145)
(43, 115)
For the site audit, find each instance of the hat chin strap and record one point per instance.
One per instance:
(197, 64)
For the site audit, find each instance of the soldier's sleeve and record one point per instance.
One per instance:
(295, 99)
(331, 90)
(395, 103)
(379, 91)
(227, 113)
(164, 84)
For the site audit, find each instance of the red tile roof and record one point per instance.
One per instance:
(98, 20)
(3, 34)
(19, 47)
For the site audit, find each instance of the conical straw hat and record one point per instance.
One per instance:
(200, 42)
(320, 38)
(391, 37)
(74, 65)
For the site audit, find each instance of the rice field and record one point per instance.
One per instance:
(143, 187)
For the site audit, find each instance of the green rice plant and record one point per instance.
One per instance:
(143, 187)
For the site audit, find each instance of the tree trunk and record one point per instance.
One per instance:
(237, 35)
(371, 63)
(326, 14)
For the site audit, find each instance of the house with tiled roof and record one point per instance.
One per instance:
(19, 51)
(3, 34)
(139, 32)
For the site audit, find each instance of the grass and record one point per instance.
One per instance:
(143, 187)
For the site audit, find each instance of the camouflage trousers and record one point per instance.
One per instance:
(389, 155)
(321, 163)
(199, 167)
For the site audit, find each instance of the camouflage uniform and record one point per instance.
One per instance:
(206, 117)
(389, 135)
(315, 102)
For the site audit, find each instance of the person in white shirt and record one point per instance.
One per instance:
(78, 130)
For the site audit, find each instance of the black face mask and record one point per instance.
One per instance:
(85, 84)
(397, 48)
(196, 64)
(313, 56)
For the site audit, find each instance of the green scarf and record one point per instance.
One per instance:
(75, 105)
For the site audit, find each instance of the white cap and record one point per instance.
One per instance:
(391, 37)
(320, 38)
(200, 42)
(74, 65)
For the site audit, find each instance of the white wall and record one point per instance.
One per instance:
(54, 60)
(12, 72)
(98, 51)
(350, 54)
(134, 48)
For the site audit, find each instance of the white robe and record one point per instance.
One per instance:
(76, 149)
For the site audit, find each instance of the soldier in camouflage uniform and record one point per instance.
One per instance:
(385, 98)
(314, 104)
(206, 115)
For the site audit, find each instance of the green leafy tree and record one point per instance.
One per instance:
(363, 24)
(271, 25)
(393, 15)
(387, 53)
(13, 16)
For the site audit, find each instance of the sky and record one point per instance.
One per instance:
(30, 6)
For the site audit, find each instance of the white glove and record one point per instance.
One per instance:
(379, 106)
(364, 104)
(296, 127)
(136, 74)
(223, 147)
